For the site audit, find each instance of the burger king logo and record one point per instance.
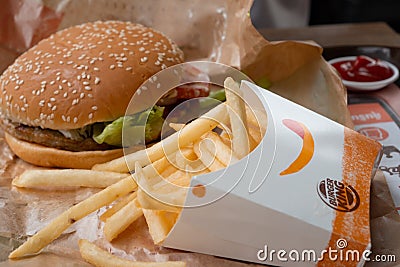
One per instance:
(338, 195)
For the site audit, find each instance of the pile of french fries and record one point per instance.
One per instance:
(153, 182)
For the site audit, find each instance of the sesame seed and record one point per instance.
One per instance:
(52, 82)
(143, 59)
(65, 94)
(54, 108)
(94, 107)
(79, 77)
(52, 99)
(74, 91)
(56, 92)
(96, 69)
(97, 80)
(85, 83)
(90, 95)
(64, 81)
(112, 67)
(82, 95)
(87, 88)
(90, 116)
(75, 119)
(63, 117)
(69, 84)
(16, 87)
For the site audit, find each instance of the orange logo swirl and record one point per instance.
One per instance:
(307, 150)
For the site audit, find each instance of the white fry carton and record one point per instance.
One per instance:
(300, 198)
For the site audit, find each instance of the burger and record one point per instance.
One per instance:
(63, 102)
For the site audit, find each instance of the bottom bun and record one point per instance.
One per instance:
(51, 157)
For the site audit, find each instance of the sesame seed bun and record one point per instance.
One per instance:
(52, 157)
(83, 74)
(79, 76)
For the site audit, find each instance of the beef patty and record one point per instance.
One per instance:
(51, 138)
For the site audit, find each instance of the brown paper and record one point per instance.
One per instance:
(217, 30)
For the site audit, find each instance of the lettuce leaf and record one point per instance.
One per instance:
(134, 126)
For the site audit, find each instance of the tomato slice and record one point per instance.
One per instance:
(192, 90)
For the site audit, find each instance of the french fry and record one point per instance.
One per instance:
(198, 171)
(257, 118)
(166, 196)
(169, 145)
(223, 152)
(53, 230)
(111, 211)
(187, 156)
(148, 202)
(118, 222)
(237, 117)
(255, 136)
(160, 223)
(67, 177)
(256, 126)
(206, 156)
(176, 126)
(168, 171)
(101, 258)
(178, 178)
(226, 138)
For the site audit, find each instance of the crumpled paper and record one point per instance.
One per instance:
(217, 30)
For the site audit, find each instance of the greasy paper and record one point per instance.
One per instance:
(217, 30)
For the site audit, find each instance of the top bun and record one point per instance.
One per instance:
(83, 74)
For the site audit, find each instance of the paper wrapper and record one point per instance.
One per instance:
(214, 30)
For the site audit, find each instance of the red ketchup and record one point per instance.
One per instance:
(363, 69)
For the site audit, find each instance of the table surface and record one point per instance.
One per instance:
(375, 33)
(340, 35)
